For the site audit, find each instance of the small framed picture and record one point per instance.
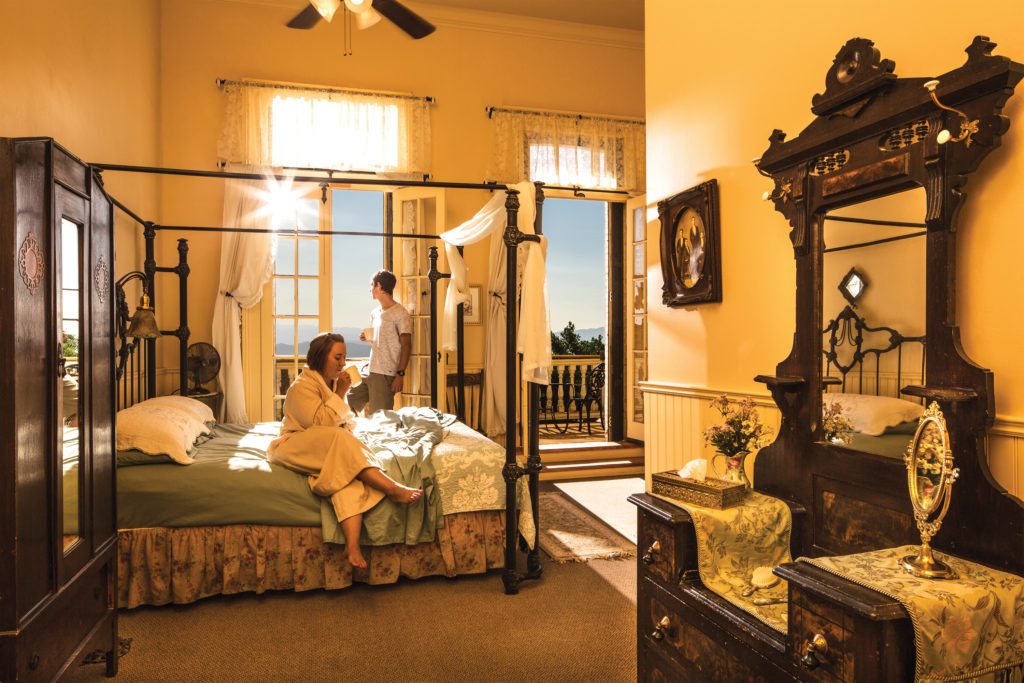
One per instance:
(471, 309)
(690, 252)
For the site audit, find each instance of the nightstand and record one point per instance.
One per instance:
(211, 399)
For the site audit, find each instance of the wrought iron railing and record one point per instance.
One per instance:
(575, 398)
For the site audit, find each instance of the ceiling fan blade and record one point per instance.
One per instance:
(404, 18)
(307, 18)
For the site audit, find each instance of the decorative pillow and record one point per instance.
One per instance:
(871, 415)
(190, 405)
(159, 429)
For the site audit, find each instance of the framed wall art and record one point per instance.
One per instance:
(471, 309)
(691, 259)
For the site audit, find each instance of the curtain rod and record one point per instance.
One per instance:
(872, 221)
(296, 232)
(567, 114)
(221, 82)
(487, 185)
(874, 242)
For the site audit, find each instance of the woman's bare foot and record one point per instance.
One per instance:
(355, 557)
(403, 494)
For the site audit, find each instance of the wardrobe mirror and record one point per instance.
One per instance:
(69, 402)
(873, 322)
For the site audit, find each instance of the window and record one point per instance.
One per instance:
(322, 282)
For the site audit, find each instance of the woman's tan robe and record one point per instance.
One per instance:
(314, 440)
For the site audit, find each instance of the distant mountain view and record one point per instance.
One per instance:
(353, 347)
(588, 333)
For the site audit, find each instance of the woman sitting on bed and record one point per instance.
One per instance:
(316, 439)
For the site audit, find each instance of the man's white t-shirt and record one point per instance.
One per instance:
(386, 348)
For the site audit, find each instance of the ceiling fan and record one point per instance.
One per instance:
(366, 13)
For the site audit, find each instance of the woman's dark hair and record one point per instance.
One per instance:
(386, 279)
(316, 357)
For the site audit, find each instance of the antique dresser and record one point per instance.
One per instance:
(57, 521)
(875, 138)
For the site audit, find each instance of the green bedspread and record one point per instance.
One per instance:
(231, 482)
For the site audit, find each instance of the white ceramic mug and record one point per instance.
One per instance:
(368, 334)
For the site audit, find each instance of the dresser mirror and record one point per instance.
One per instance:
(873, 320)
(70, 403)
(880, 147)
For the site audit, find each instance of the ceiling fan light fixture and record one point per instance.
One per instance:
(367, 19)
(326, 8)
(360, 7)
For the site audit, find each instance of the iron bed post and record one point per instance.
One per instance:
(434, 275)
(149, 268)
(460, 364)
(533, 463)
(512, 471)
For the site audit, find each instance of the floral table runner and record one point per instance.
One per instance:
(964, 628)
(732, 543)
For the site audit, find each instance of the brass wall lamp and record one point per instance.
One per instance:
(143, 323)
(967, 127)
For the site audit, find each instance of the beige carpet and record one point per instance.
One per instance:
(576, 623)
(568, 533)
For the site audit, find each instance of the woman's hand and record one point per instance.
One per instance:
(343, 384)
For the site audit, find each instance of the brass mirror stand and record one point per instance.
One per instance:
(930, 476)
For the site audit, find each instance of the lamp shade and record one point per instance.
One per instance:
(143, 323)
(326, 8)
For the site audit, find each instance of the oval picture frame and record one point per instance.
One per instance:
(690, 253)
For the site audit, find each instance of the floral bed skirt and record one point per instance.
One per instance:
(157, 566)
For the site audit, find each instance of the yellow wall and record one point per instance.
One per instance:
(86, 74)
(717, 87)
(710, 110)
(132, 82)
(465, 69)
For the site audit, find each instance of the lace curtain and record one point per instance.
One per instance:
(308, 127)
(563, 149)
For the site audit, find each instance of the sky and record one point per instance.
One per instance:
(576, 262)
(577, 280)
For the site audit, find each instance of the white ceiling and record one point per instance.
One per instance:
(628, 14)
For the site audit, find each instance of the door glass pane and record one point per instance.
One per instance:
(306, 330)
(284, 261)
(284, 336)
(307, 214)
(284, 296)
(309, 297)
(309, 260)
(638, 225)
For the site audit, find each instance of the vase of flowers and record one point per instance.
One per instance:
(740, 433)
(837, 428)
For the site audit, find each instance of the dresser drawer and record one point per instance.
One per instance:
(656, 549)
(669, 630)
(809, 619)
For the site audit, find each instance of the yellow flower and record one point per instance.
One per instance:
(958, 634)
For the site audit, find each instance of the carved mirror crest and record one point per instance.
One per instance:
(690, 252)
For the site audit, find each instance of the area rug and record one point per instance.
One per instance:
(570, 534)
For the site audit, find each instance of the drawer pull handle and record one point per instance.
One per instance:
(812, 649)
(662, 628)
(33, 661)
(648, 557)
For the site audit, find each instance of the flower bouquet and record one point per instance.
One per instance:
(836, 426)
(740, 433)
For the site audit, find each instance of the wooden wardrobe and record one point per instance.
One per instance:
(57, 517)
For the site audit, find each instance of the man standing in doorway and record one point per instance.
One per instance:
(390, 346)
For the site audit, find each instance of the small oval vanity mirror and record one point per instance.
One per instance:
(930, 475)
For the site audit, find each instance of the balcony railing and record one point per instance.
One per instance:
(573, 403)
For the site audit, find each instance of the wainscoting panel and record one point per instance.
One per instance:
(676, 417)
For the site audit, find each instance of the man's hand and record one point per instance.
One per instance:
(396, 384)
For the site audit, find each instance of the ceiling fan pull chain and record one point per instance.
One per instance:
(348, 34)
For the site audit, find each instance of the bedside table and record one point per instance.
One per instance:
(211, 399)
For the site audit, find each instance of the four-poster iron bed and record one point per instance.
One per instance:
(137, 589)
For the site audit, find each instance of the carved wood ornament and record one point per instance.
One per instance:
(877, 134)
(30, 263)
(101, 277)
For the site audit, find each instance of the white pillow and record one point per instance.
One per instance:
(190, 405)
(159, 430)
(872, 414)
